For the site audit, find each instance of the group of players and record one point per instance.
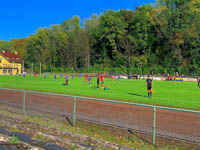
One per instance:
(100, 79)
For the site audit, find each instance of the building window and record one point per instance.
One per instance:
(4, 71)
(10, 71)
(4, 65)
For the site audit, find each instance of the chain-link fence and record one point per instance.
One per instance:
(168, 122)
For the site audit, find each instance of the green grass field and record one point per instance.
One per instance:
(167, 93)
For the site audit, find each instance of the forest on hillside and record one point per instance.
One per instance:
(162, 37)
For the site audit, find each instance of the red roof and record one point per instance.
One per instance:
(11, 56)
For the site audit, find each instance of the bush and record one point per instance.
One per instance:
(14, 140)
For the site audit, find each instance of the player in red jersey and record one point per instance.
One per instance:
(102, 80)
(35, 75)
(86, 77)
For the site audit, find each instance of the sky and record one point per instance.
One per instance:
(20, 18)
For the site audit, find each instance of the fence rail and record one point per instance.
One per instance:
(157, 119)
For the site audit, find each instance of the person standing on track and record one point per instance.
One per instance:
(149, 86)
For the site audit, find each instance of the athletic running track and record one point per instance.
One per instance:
(171, 124)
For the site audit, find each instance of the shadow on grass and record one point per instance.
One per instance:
(137, 95)
(93, 87)
(65, 84)
(69, 121)
(140, 137)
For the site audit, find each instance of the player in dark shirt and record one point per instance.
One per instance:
(98, 80)
(67, 80)
(149, 86)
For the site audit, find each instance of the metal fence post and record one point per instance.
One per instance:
(74, 112)
(24, 102)
(154, 125)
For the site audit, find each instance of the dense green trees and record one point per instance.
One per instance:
(164, 38)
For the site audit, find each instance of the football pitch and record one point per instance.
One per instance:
(167, 93)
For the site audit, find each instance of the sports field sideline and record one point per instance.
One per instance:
(167, 93)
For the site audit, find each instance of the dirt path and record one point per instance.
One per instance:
(173, 124)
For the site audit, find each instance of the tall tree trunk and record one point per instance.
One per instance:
(54, 63)
(88, 57)
(75, 61)
(68, 60)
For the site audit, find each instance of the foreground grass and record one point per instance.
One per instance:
(167, 93)
(114, 135)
